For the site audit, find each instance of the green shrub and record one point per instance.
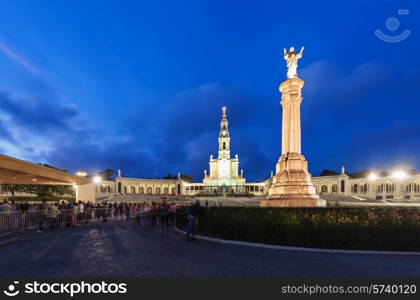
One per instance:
(363, 228)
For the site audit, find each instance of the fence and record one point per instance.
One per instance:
(42, 219)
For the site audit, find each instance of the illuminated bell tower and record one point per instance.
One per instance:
(224, 139)
(224, 170)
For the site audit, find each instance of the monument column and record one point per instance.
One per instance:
(292, 185)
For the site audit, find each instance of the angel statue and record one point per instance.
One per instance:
(292, 61)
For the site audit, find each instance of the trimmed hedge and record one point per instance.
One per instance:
(362, 228)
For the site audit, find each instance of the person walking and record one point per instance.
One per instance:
(164, 214)
(190, 230)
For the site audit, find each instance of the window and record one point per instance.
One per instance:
(166, 191)
(157, 191)
(149, 191)
(133, 190)
(324, 189)
(141, 190)
(224, 145)
(390, 187)
(334, 188)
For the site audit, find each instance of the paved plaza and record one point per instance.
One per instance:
(124, 250)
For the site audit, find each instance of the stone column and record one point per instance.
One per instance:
(292, 185)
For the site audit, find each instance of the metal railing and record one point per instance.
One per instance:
(45, 219)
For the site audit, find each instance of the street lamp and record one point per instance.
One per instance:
(373, 176)
(399, 175)
(97, 179)
(81, 173)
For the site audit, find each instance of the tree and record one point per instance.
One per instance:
(327, 172)
(186, 178)
(361, 174)
(169, 176)
(107, 174)
(384, 174)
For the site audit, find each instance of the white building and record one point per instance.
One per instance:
(394, 187)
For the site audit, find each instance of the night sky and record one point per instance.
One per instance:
(138, 85)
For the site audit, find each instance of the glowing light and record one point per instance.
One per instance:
(97, 179)
(81, 173)
(373, 176)
(399, 175)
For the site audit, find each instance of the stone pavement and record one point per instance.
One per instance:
(124, 250)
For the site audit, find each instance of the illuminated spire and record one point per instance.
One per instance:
(224, 139)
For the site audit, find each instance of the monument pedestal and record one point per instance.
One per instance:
(292, 185)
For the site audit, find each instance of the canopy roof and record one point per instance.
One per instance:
(16, 171)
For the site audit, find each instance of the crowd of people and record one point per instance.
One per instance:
(23, 215)
(142, 214)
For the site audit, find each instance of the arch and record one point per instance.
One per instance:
(157, 191)
(354, 188)
(166, 191)
(141, 190)
(133, 189)
(334, 188)
(173, 191)
(324, 189)
(365, 188)
(149, 191)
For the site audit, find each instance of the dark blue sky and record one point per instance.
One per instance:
(138, 85)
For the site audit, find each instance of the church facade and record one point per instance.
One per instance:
(223, 170)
